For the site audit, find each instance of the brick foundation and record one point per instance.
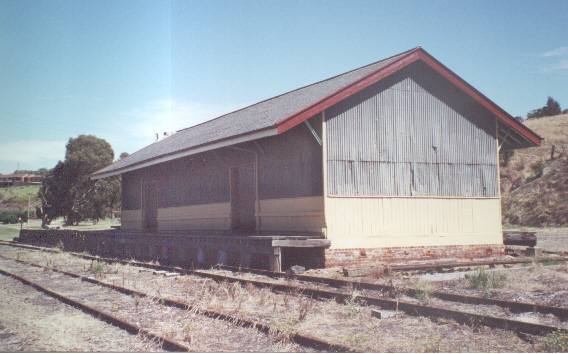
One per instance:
(362, 257)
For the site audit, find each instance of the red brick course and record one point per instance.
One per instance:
(361, 257)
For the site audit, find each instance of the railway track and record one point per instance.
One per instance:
(167, 343)
(469, 318)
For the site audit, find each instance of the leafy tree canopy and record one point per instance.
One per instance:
(552, 108)
(69, 192)
(41, 171)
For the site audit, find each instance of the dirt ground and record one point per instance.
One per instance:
(33, 321)
(551, 239)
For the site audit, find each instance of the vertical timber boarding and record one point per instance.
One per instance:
(243, 198)
(324, 168)
(151, 206)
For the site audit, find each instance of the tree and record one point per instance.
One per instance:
(68, 190)
(552, 108)
(123, 155)
(41, 171)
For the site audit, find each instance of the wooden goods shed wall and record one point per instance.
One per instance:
(194, 193)
(411, 161)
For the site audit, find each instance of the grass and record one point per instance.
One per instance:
(533, 185)
(17, 197)
(424, 289)
(556, 342)
(8, 232)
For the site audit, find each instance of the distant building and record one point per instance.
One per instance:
(397, 159)
(20, 179)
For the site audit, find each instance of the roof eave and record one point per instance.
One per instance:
(258, 134)
(392, 67)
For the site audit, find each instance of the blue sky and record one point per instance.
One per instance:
(125, 70)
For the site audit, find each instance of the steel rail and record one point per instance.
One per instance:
(469, 319)
(166, 343)
(513, 306)
(472, 263)
(298, 338)
(562, 313)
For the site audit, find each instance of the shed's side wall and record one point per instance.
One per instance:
(194, 193)
(411, 161)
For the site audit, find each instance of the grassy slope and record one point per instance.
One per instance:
(16, 198)
(535, 188)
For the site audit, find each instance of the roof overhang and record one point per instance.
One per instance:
(511, 133)
(524, 135)
(216, 145)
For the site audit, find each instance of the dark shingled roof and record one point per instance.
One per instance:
(258, 117)
(286, 110)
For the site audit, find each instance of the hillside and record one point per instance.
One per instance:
(535, 188)
(16, 198)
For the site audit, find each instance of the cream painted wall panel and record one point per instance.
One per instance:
(131, 220)
(406, 222)
(291, 204)
(292, 214)
(190, 212)
(220, 224)
(214, 216)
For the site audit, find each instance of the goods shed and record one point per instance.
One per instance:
(397, 159)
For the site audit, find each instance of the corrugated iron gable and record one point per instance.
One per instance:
(411, 135)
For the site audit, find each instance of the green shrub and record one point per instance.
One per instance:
(538, 168)
(12, 217)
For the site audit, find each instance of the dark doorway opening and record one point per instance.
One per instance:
(243, 198)
(151, 207)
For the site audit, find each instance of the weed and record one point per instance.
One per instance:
(436, 345)
(304, 306)
(556, 342)
(169, 331)
(97, 267)
(286, 329)
(351, 308)
(551, 262)
(189, 332)
(424, 289)
(136, 301)
(60, 245)
(485, 281)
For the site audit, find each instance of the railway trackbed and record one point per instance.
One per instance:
(354, 297)
(249, 332)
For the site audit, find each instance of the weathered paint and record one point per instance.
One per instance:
(303, 214)
(131, 220)
(356, 222)
(214, 216)
(411, 135)
(190, 190)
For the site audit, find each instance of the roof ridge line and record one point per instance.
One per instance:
(301, 88)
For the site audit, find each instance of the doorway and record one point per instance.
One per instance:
(243, 199)
(151, 206)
